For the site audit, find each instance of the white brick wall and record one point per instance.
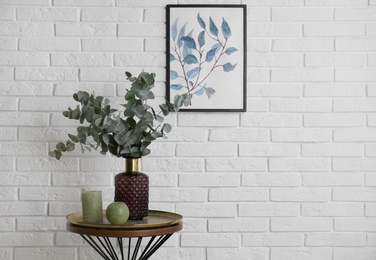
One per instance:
(293, 178)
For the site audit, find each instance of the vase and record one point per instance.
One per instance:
(132, 188)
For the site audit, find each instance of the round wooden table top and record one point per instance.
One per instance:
(156, 223)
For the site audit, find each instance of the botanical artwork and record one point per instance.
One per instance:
(206, 56)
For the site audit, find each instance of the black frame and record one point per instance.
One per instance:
(243, 106)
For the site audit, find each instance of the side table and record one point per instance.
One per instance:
(156, 229)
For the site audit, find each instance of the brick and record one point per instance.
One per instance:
(26, 29)
(25, 89)
(301, 135)
(274, 90)
(206, 150)
(6, 253)
(23, 59)
(45, 253)
(355, 224)
(355, 14)
(301, 253)
(61, 208)
(23, 239)
(209, 180)
(301, 225)
(335, 240)
(244, 194)
(354, 164)
(7, 43)
(333, 29)
(258, 14)
(7, 224)
(334, 120)
(236, 165)
(140, 59)
(305, 14)
(335, 2)
(145, 3)
(130, 15)
(44, 104)
(269, 150)
(255, 45)
(6, 164)
(274, 30)
(193, 225)
(102, 74)
(47, 14)
(370, 212)
(354, 194)
(334, 90)
(258, 75)
(180, 253)
(257, 105)
(271, 120)
(23, 119)
(8, 104)
(25, 2)
(210, 240)
(23, 208)
(7, 13)
(80, 179)
(238, 225)
(353, 253)
(335, 60)
(332, 209)
(237, 253)
(302, 75)
(6, 74)
(7, 134)
(370, 180)
(355, 75)
(273, 3)
(154, 44)
(172, 165)
(47, 164)
(270, 180)
(303, 45)
(272, 240)
(152, 29)
(332, 180)
(50, 194)
(102, 89)
(238, 135)
(356, 45)
(371, 29)
(41, 223)
(370, 149)
(371, 90)
(333, 149)
(354, 105)
(274, 60)
(85, 29)
(300, 105)
(187, 135)
(354, 135)
(8, 193)
(212, 120)
(155, 15)
(115, 45)
(18, 148)
(164, 194)
(92, 3)
(269, 209)
(49, 44)
(46, 74)
(215, 210)
(301, 194)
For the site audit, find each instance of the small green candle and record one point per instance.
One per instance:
(92, 209)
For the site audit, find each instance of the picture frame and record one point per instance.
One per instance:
(206, 56)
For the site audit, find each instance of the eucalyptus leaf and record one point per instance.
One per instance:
(213, 28)
(201, 21)
(190, 59)
(226, 31)
(228, 67)
(193, 73)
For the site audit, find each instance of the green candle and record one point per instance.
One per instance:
(92, 209)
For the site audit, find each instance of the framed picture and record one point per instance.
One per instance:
(206, 56)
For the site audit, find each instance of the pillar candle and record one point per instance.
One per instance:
(92, 209)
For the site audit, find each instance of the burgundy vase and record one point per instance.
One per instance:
(132, 188)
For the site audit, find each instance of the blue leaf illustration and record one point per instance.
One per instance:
(210, 54)
(190, 83)
(193, 73)
(181, 35)
(226, 31)
(201, 39)
(213, 28)
(176, 86)
(200, 21)
(173, 74)
(200, 92)
(218, 46)
(186, 51)
(190, 59)
(172, 57)
(189, 42)
(228, 67)
(174, 29)
(230, 50)
(209, 92)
